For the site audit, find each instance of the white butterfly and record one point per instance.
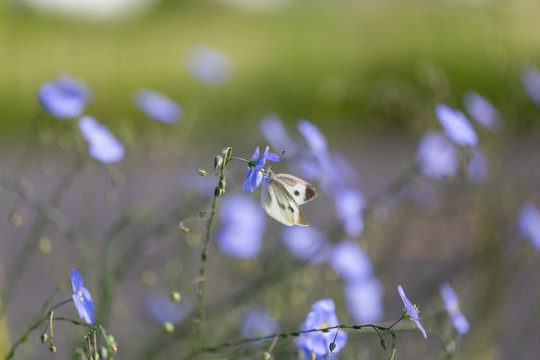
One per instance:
(281, 196)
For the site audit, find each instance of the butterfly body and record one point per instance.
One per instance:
(282, 195)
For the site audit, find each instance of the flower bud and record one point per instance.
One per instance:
(168, 327)
(52, 348)
(267, 355)
(44, 338)
(218, 160)
(175, 296)
(202, 172)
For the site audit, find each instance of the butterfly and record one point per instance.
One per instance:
(281, 196)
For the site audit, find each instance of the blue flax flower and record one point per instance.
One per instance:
(482, 111)
(530, 77)
(456, 126)
(410, 311)
(64, 98)
(436, 156)
(451, 304)
(102, 145)
(243, 227)
(477, 167)
(364, 300)
(157, 106)
(350, 262)
(321, 316)
(258, 322)
(254, 176)
(306, 243)
(529, 224)
(350, 210)
(81, 297)
(208, 65)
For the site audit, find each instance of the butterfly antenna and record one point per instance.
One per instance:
(282, 153)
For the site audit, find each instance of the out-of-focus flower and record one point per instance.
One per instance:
(243, 226)
(306, 243)
(530, 76)
(208, 65)
(350, 262)
(321, 316)
(64, 98)
(254, 176)
(258, 322)
(436, 156)
(313, 136)
(163, 310)
(451, 304)
(157, 106)
(364, 300)
(456, 126)
(529, 224)
(477, 167)
(410, 311)
(81, 297)
(482, 111)
(350, 207)
(102, 145)
(274, 132)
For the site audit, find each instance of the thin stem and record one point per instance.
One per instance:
(39, 319)
(401, 318)
(204, 258)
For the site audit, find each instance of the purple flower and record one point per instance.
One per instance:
(254, 176)
(208, 65)
(410, 311)
(65, 98)
(350, 262)
(436, 156)
(258, 322)
(451, 304)
(530, 77)
(477, 167)
(321, 316)
(274, 132)
(102, 145)
(350, 208)
(364, 301)
(81, 297)
(306, 243)
(456, 126)
(529, 224)
(157, 106)
(482, 111)
(163, 310)
(313, 136)
(243, 227)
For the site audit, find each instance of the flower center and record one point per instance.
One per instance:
(80, 295)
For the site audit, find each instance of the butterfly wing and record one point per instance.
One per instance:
(280, 205)
(299, 189)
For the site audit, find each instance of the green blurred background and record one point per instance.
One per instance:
(356, 63)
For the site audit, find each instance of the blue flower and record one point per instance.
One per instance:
(410, 311)
(274, 132)
(243, 227)
(364, 300)
(81, 297)
(321, 316)
(163, 310)
(477, 167)
(157, 106)
(65, 98)
(102, 145)
(529, 224)
(350, 210)
(306, 243)
(482, 111)
(258, 322)
(208, 65)
(436, 156)
(351, 262)
(456, 126)
(313, 136)
(451, 304)
(254, 176)
(530, 77)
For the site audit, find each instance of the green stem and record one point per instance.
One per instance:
(202, 270)
(39, 319)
